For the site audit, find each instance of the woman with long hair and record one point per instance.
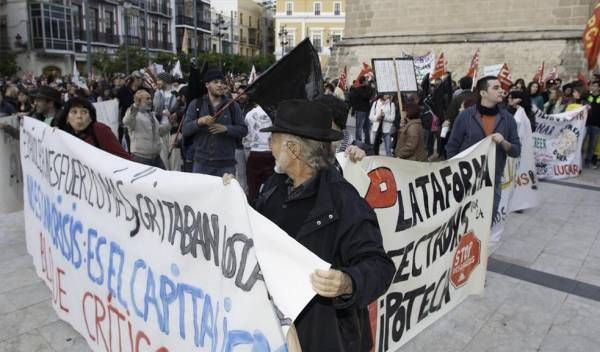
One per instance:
(534, 91)
(78, 118)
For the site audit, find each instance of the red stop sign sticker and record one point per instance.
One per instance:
(466, 259)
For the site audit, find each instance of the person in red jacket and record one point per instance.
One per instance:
(78, 118)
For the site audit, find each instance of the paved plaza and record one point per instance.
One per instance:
(542, 293)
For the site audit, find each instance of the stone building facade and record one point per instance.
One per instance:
(522, 33)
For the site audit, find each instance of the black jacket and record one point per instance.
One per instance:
(341, 229)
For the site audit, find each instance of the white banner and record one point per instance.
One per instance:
(424, 65)
(139, 258)
(11, 196)
(558, 140)
(519, 181)
(493, 70)
(107, 112)
(435, 219)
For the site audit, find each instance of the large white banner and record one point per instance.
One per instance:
(11, 181)
(435, 219)
(139, 259)
(519, 181)
(107, 112)
(558, 140)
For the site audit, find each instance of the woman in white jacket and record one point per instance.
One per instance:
(382, 116)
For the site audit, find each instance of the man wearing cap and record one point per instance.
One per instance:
(47, 102)
(313, 203)
(214, 137)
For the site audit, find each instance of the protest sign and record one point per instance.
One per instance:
(11, 196)
(389, 78)
(138, 258)
(519, 181)
(423, 65)
(435, 219)
(493, 70)
(557, 143)
(107, 112)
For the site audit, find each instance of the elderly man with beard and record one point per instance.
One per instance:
(145, 130)
(311, 201)
(485, 119)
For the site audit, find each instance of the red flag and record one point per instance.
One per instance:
(591, 38)
(440, 68)
(474, 65)
(583, 80)
(343, 78)
(366, 71)
(539, 74)
(553, 74)
(504, 77)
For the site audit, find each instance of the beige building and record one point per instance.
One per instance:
(245, 27)
(322, 21)
(520, 33)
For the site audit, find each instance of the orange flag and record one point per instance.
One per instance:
(440, 68)
(343, 78)
(474, 65)
(504, 77)
(539, 74)
(366, 71)
(583, 80)
(591, 38)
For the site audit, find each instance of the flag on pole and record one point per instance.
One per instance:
(149, 78)
(343, 78)
(366, 71)
(539, 74)
(176, 71)
(184, 42)
(474, 65)
(77, 78)
(591, 38)
(553, 74)
(504, 77)
(440, 68)
(252, 76)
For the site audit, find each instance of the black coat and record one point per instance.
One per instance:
(341, 229)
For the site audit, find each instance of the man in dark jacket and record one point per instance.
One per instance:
(360, 99)
(313, 203)
(487, 119)
(215, 137)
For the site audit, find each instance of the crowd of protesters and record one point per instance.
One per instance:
(158, 126)
(421, 129)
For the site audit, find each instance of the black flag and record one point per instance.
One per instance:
(196, 87)
(297, 75)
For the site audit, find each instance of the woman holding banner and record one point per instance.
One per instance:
(79, 119)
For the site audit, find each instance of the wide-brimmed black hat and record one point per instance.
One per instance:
(306, 119)
(48, 93)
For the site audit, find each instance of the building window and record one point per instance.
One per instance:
(249, 21)
(317, 40)
(289, 8)
(241, 18)
(77, 22)
(337, 8)
(94, 24)
(291, 42)
(336, 37)
(109, 18)
(165, 34)
(317, 7)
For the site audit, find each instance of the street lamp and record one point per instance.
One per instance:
(220, 27)
(283, 35)
(126, 6)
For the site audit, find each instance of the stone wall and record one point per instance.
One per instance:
(521, 33)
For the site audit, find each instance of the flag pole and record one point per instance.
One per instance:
(398, 90)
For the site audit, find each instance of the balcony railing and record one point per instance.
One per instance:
(189, 21)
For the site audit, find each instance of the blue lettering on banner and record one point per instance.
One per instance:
(151, 294)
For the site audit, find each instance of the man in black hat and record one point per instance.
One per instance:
(47, 103)
(313, 203)
(214, 137)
